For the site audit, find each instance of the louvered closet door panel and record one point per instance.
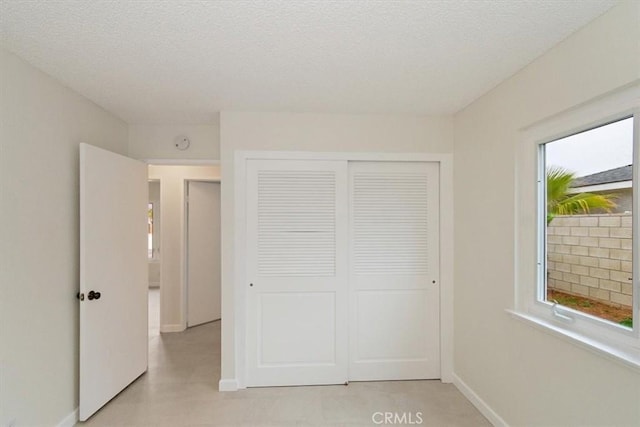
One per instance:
(296, 223)
(394, 277)
(297, 263)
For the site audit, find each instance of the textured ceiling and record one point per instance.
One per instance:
(183, 61)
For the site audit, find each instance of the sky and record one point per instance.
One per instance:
(595, 150)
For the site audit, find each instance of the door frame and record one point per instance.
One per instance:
(240, 309)
(185, 243)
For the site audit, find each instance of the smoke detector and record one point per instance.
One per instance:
(182, 142)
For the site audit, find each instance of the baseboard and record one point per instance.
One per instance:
(228, 385)
(480, 404)
(172, 328)
(70, 420)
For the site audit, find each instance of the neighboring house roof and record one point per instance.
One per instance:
(620, 174)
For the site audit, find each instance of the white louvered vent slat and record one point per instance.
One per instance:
(296, 223)
(390, 212)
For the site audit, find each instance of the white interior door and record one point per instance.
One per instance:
(394, 278)
(296, 272)
(113, 275)
(203, 252)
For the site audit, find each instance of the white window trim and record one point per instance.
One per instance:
(604, 338)
(446, 247)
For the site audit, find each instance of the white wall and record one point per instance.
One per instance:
(42, 124)
(157, 141)
(526, 376)
(307, 132)
(172, 239)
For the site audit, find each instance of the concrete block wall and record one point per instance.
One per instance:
(590, 255)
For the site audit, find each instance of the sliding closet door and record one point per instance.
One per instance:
(394, 277)
(297, 272)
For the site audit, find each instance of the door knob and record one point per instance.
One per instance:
(93, 295)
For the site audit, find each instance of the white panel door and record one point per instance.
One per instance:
(203, 252)
(113, 275)
(394, 278)
(296, 272)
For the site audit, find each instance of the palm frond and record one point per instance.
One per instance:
(584, 203)
(561, 202)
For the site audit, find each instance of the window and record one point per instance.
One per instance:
(587, 185)
(577, 226)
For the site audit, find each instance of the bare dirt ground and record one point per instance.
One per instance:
(589, 306)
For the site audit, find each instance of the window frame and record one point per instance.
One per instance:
(530, 246)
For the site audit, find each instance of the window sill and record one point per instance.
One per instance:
(625, 355)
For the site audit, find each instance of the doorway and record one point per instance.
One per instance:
(115, 207)
(173, 295)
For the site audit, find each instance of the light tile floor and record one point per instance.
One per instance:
(181, 389)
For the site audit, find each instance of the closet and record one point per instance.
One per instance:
(342, 269)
